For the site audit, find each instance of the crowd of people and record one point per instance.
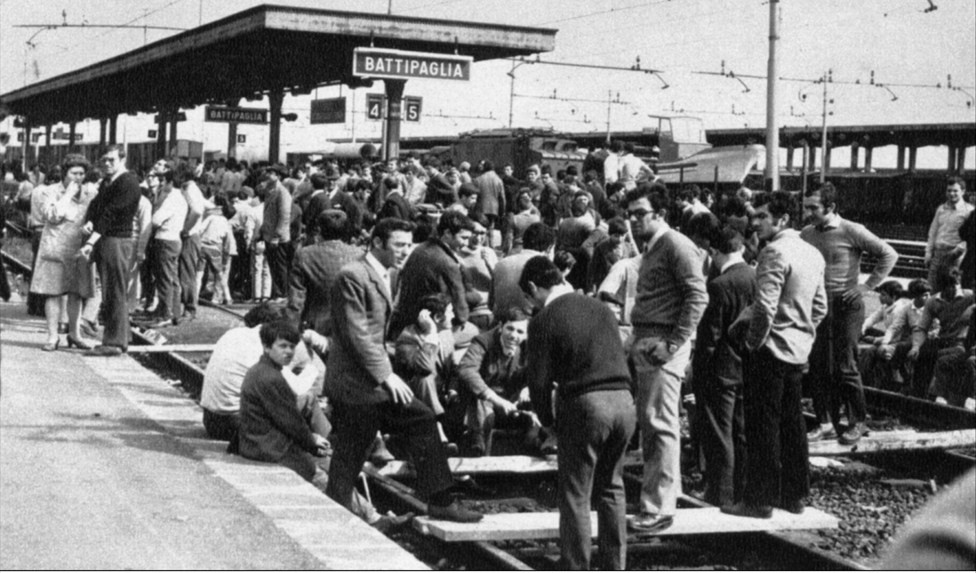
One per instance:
(434, 305)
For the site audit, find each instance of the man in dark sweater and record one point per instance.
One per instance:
(718, 369)
(574, 348)
(110, 216)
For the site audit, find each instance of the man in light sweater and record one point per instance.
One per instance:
(169, 214)
(834, 374)
(190, 253)
(778, 332)
(671, 298)
(945, 248)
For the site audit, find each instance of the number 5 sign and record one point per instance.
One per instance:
(411, 108)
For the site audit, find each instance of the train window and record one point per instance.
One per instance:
(548, 145)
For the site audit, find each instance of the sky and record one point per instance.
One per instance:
(908, 50)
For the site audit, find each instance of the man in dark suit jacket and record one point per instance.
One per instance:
(110, 216)
(434, 267)
(366, 394)
(491, 197)
(314, 271)
(276, 229)
(573, 342)
(717, 369)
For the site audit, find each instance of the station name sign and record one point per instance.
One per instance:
(398, 64)
(236, 114)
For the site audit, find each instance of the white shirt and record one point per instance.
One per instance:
(558, 291)
(234, 354)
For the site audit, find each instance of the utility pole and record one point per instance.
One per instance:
(823, 135)
(609, 107)
(772, 123)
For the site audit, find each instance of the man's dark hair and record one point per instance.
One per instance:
(780, 203)
(318, 180)
(541, 272)
(918, 287)
(183, 174)
(703, 225)
(434, 162)
(468, 189)
(827, 193)
(616, 146)
(617, 226)
(283, 329)
(76, 160)
(436, 303)
(453, 222)
(947, 277)
(386, 227)
(658, 200)
(538, 237)
(892, 289)
(689, 193)
(333, 225)
(512, 314)
(629, 147)
(114, 147)
(564, 260)
(727, 240)
(262, 314)
(487, 166)
(956, 180)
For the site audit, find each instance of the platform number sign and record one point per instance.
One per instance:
(241, 138)
(412, 107)
(374, 106)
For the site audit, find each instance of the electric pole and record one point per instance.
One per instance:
(772, 123)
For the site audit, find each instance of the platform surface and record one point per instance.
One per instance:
(507, 526)
(103, 465)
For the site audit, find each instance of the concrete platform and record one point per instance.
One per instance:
(103, 465)
(508, 526)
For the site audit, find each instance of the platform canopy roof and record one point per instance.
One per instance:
(917, 135)
(251, 53)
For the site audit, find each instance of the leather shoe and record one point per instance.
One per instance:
(853, 434)
(453, 512)
(89, 330)
(743, 509)
(380, 456)
(391, 521)
(821, 434)
(102, 350)
(649, 522)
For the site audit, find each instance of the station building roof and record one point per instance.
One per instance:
(253, 52)
(912, 135)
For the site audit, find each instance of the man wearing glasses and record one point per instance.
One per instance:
(671, 298)
(110, 216)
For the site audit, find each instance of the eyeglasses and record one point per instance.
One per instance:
(477, 233)
(639, 213)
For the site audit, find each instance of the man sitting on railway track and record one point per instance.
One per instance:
(278, 426)
(946, 310)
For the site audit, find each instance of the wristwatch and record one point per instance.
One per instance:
(672, 347)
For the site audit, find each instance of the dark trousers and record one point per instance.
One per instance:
(240, 269)
(928, 355)
(955, 378)
(166, 256)
(834, 376)
(593, 431)
(189, 255)
(222, 427)
(147, 275)
(358, 424)
(279, 260)
(721, 434)
(114, 262)
(776, 441)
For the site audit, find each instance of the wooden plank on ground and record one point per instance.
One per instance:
(899, 440)
(506, 526)
(495, 465)
(171, 348)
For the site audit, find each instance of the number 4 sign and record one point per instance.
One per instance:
(374, 106)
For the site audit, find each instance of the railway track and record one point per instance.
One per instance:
(793, 551)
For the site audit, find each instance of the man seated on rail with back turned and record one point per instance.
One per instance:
(278, 426)
(235, 352)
